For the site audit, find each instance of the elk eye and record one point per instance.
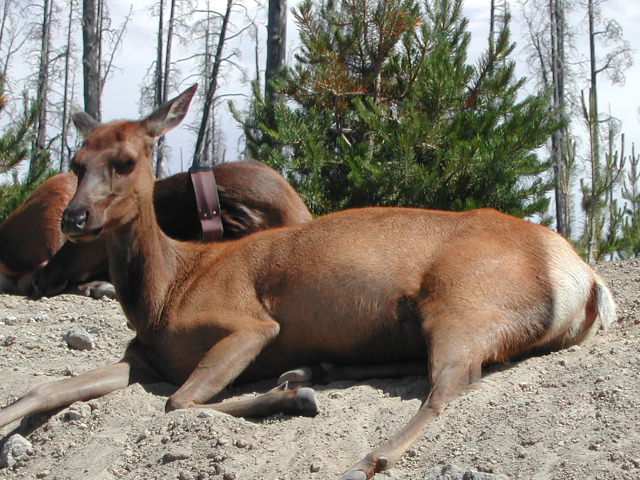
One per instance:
(123, 167)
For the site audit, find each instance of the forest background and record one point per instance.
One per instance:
(371, 102)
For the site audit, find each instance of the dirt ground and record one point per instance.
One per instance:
(569, 415)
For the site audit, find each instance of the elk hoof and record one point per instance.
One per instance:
(354, 475)
(104, 290)
(306, 402)
(299, 375)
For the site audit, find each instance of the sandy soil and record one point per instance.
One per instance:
(569, 415)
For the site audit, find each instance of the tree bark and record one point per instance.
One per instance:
(276, 45)
(594, 141)
(159, 89)
(91, 39)
(64, 147)
(199, 154)
(43, 89)
(558, 138)
(163, 68)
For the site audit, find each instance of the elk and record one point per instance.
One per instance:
(32, 249)
(31, 235)
(360, 287)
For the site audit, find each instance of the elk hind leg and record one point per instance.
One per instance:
(325, 373)
(452, 369)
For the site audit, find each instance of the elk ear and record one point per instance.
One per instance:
(84, 123)
(169, 114)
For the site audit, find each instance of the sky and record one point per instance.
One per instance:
(138, 51)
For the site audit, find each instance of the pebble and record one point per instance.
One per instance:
(79, 339)
(40, 317)
(10, 320)
(16, 448)
(79, 411)
(452, 472)
(176, 454)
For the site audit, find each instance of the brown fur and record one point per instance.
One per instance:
(31, 234)
(368, 286)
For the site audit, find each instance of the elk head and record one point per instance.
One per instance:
(114, 171)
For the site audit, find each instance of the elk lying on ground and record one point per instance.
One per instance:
(359, 287)
(253, 197)
(31, 235)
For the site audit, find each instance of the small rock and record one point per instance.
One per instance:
(216, 457)
(79, 339)
(79, 411)
(10, 320)
(314, 468)
(43, 474)
(9, 340)
(176, 454)
(16, 448)
(452, 472)
(40, 316)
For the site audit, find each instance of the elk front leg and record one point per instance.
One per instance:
(282, 399)
(89, 385)
(226, 360)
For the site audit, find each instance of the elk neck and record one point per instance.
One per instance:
(143, 265)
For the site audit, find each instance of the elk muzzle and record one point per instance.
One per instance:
(75, 221)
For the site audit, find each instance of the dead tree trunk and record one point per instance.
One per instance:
(559, 138)
(163, 68)
(211, 86)
(64, 146)
(592, 116)
(276, 45)
(91, 40)
(39, 147)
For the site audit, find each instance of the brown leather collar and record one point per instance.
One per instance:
(206, 191)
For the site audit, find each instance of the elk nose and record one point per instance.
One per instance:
(74, 219)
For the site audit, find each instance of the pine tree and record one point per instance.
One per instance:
(631, 195)
(383, 108)
(16, 147)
